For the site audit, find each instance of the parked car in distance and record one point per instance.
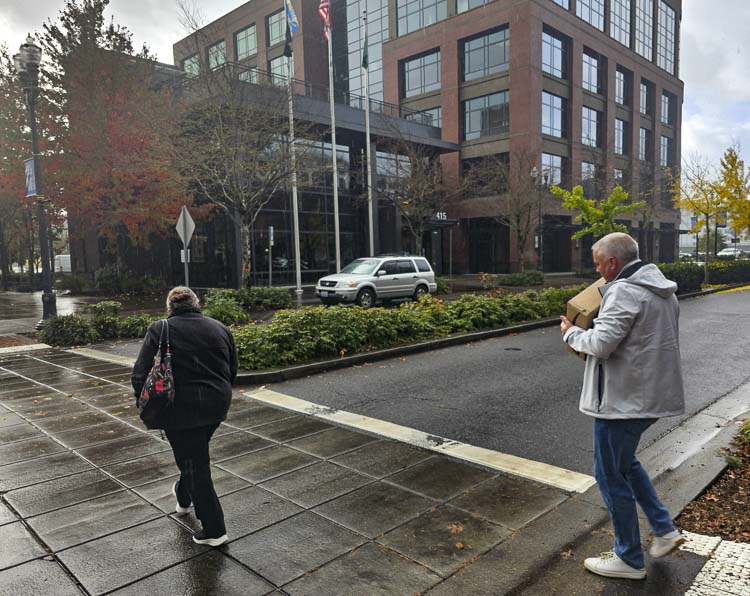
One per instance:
(732, 253)
(367, 281)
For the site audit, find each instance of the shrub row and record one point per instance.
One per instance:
(532, 277)
(75, 330)
(297, 336)
(231, 307)
(689, 276)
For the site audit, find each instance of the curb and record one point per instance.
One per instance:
(303, 370)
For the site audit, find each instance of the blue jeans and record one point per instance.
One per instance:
(623, 482)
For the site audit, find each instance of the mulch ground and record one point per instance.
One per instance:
(724, 508)
(8, 341)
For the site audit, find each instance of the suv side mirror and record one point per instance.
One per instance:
(380, 273)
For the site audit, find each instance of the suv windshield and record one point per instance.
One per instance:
(361, 266)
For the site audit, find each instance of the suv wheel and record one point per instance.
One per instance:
(366, 298)
(418, 292)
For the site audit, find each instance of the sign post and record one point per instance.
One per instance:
(270, 254)
(185, 229)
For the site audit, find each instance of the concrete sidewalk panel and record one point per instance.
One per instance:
(113, 561)
(332, 442)
(510, 501)
(18, 545)
(249, 510)
(445, 539)
(440, 478)
(291, 428)
(267, 463)
(144, 469)
(10, 419)
(62, 492)
(382, 459)
(316, 484)
(40, 578)
(289, 549)
(159, 493)
(211, 573)
(255, 415)
(375, 509)
(6, 515)
(29, 449)
(79, 523)
(234, 444)
(92, 435)
(72, 421)
(18, 432)
(131, 447)
(372, 569)
(38, 470)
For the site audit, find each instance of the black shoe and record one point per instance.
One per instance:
(202, 538)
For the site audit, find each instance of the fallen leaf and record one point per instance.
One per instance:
(567, 554)
(460, 545)
(456, 528)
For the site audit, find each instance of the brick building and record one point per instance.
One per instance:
(590, 88)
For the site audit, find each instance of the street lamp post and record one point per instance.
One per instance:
(27, 66)
(540, 228)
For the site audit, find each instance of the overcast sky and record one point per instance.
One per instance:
(715, 60)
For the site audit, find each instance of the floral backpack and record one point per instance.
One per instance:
(157, 394)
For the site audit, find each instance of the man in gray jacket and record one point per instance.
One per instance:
(632, 378)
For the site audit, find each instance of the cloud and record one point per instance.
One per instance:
(715, 51)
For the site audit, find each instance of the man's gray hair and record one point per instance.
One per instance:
(181, 296)
(618, 245)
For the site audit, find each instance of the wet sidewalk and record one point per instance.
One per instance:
(311, 508)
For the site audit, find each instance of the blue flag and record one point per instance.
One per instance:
(291, 18)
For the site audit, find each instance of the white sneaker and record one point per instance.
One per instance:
(610, 565)
(178, 509)
(663, 545)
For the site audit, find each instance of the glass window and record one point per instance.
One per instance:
(486, 55)
(464, 5)
(666, 152)
(620, 136)
(277, 70)
(645, 106)
(276, 28)
(665, 38)
(644, 25)
(553, 115)
(619, 21)
(405, 267)
(591, 76)
(552, 169)
(415, 14)
(564, 3)
(423, 265)
(554, 53)
(666, 108)
(644, 144)
(619, 177)
(249, 75)
(217, 55)
(591, 11)
(421, 75)
(431, 117)
(377, 33)
(485, 116)
(246, 43)
(191, 65)
(390, 267)
(588, 170)
(622, 86)
(590, 127)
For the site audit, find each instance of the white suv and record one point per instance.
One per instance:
(365, 281)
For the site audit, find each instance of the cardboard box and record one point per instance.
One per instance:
(583, 308)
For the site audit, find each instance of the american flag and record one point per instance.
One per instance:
(324, 12)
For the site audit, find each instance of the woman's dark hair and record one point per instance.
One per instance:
(181, 297)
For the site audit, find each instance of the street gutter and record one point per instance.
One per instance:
(313, 368)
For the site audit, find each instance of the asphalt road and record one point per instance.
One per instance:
(519, 394)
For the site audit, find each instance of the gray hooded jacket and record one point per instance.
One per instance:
(633, 365)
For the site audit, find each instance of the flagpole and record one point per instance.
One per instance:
(366, 68)
(293, 157)
(333, 149)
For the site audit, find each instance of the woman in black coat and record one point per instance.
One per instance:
(204, 362)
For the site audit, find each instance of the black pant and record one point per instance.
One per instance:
(190, 448)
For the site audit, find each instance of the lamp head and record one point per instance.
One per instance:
(30, 54)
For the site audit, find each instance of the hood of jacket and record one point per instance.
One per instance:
(647, 276)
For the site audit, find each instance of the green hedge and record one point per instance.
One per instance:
(689, 276)
(727, 272)
(67, 330)
(312, 333)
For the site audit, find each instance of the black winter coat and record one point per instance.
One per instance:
(204, 362)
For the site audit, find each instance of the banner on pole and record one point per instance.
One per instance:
(30, 177)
